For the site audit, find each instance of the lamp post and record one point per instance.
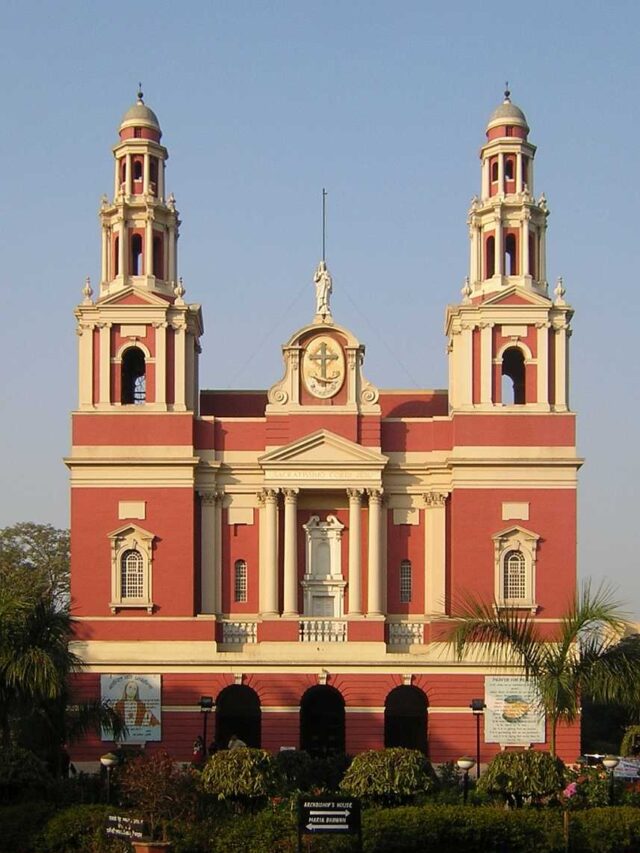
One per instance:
(206, 707)
(465, 764)
(477, 706)
(610, 763)
(108, 761)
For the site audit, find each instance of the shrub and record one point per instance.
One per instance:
(294, 767)
(159, 791)
(606, 830)
(244, 775)
(520, 775)
(631, 741)
(22, 774)
(388, 775)
(20, 824)
(75, 828)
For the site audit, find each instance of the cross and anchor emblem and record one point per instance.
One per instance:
(323, 367)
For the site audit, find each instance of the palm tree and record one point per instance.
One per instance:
(587, 656)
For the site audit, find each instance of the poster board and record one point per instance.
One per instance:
(137, 698)
(513, 716)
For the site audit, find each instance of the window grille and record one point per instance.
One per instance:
(515, 576)
(240, 584)
(132, 575)
(405, 581)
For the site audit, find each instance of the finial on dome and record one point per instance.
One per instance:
(140, 94)
(507, 93)
(559, 292)
(179, 292)
(466, 291)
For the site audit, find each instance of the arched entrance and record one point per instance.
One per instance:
(322, 721)
(405, 718)
(238, 713)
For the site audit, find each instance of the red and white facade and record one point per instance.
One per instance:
(296, 553)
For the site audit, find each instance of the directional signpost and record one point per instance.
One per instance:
(336, 817)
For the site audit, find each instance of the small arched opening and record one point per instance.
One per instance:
(158, 261)
(153, 175)
(238, 713)
(116, 256)
(405, 718)
(509, 169)
(513, 377)
(136, 254)
(133, 377)
(510, 255)
(533, 266)
(494, 172)
(490, 256)
(137, 170)
(322, 721)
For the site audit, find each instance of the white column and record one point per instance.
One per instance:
(474, 272)
(190, 371)
(121, 247)
(161, 362)
(499, 256)
(485, 178)
(524, 248)
(145, 175)
(290, 581)
(104, 393)
(269, 536)
(519, 172)
(561, 367)
(171, 255)
(290, 590)
(465, 367)
(179, 366)
(104, 271)
(501, 174)
(435, 552)
(375, 564)
(210, 503)
(160, 190)
(355, 551)
(148, 248)
(85, 365)
(542, 359)
(486, 366)
(117, 182)
(542, 254)
(129, 176)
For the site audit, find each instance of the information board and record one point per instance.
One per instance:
(513, 716)
(121, 826)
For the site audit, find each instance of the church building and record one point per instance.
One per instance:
(283, 565)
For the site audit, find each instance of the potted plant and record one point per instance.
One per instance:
(159, 792)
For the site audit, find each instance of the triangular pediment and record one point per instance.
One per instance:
(134, 296)
(515, 295)
(323, 450)
(514, 532)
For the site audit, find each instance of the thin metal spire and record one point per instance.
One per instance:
(324, 224)
(507, 93)
(140, 92)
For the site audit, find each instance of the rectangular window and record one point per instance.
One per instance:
(240, 584)
(405, 581)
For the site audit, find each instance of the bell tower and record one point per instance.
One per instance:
(508, 339)
(139, 341)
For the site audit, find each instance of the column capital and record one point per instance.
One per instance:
(268, 496)
(290, 495)
(210, 497)
(435, 499)
(355, 495)
(375, 495)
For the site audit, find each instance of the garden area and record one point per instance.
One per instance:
(247, 800)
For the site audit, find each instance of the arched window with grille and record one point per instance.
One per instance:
(132, 575)
(133, 377)
(514, 576)
(240, 581)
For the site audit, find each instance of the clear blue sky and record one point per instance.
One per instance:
(264, 103)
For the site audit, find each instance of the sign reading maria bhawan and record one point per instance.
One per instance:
(513, 716)
(339, 816)
(121, 826)
(137, 699)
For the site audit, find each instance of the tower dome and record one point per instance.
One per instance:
(140, 116)
(506, 115)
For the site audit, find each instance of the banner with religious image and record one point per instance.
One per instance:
(137, 698)
(513, 716)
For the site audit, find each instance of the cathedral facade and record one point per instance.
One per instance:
(284, 565)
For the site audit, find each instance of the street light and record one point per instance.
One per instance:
(206, 707)
(108, 761)
(610, 763)
(477, 706)
(465, 764)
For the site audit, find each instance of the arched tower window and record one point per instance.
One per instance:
(132, 575)
(137, 170)
(494, 172)
(123, 170)
(525, 170)
(158, 260)
(514, 576)
(116, 255)
(240, 580)
(405, 582)
(136, 254)
(490, 257)
(533, 266)
(510, 255)
(133, 377)
(508, 169)
(513, 392)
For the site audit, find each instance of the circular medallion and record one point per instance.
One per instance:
(323, 367)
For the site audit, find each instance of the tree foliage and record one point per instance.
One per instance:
(588, 656)
(516, 775)
(34, 562)
(388, 776)
(243, 775)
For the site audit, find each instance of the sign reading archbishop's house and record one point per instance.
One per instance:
(513, 716)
